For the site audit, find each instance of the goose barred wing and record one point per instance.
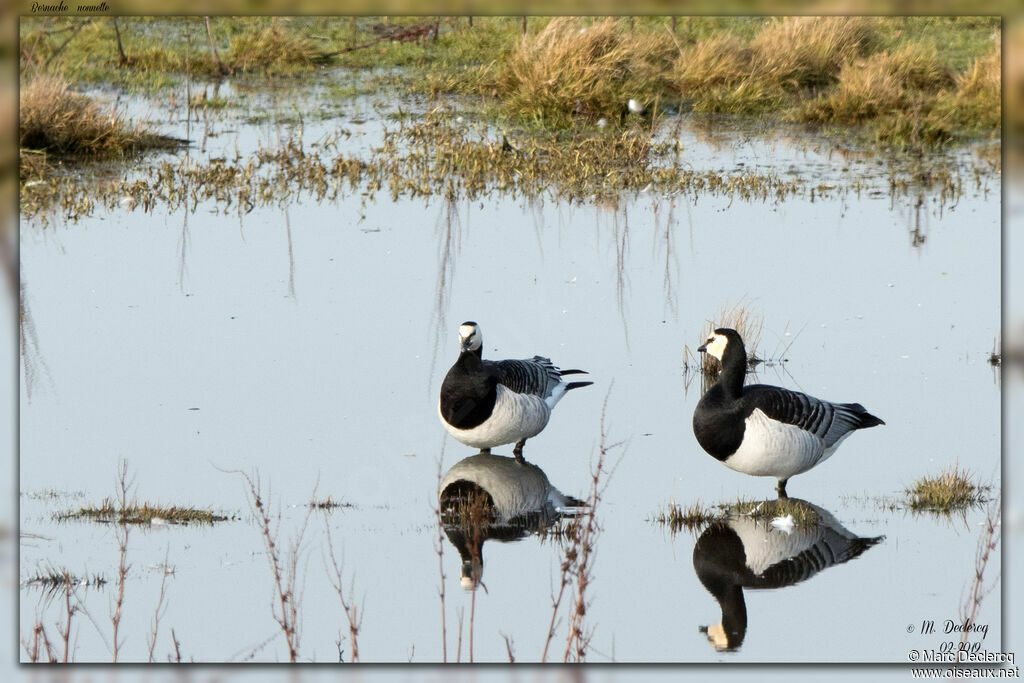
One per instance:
(830, 550)
(537, 375)
(828, 421)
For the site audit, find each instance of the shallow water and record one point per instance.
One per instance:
(307, 343)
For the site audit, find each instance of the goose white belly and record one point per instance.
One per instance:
(764, 546)
(515, 417)
(775, 449)
(516, 488)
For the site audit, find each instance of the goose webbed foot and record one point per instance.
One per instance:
(518, 451)
(780, 489)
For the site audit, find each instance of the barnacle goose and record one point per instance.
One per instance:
(742, 552)
(767, 431)
(488, 403)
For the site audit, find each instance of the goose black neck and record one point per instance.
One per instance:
(734, 616)
(471, 359)
(734, 368)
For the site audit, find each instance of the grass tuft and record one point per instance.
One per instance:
(273, 49)
(109, 512)
(950, 490)
(59, 121)
(741, 318)
(804, 516)
(694, 517)
(572, 69)
(329, 503)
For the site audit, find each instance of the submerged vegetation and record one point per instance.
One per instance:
(951, 489)
(437, 155)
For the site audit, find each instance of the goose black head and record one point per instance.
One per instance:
(470, 337)
(723, 338)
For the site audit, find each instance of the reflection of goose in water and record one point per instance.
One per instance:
(743, 552)
(489, 496)
(487, 403)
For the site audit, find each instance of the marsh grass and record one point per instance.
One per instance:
(275, 49)
(434, 155)
(804, 516)
(693, 517)
(132, 512)
(53, 580)
(696, 516)
(951, 489)
(567, 71)
(329, 504)
(576, 68)
(58, 121)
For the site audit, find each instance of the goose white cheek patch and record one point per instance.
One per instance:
(716, 347)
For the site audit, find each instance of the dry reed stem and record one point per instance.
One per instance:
(122, 567)
(577, 564)
(352, 612)
(160, 607)
(69, 611)
(740, 317)
(988, 542)
(32, 649)
(177, 648)
(440, 563)
(508, 648)
(285, 608)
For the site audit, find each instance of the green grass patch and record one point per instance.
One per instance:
(952, 489)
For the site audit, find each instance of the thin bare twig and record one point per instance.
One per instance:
(69, 611)
(988, 542)
(440, 563)
(508, 648)
(122, 546)
(285, 607)
(352, 612)
(160, 608)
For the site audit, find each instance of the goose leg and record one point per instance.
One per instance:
(485, 450)
(781, 488)
(518, 451)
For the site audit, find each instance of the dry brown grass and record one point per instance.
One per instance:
(951, 489)
(741, 318)
(724, 74)
(57, 120)
(571, 68)
(886, 83)
(810, 51)
(977, 100)
(720, 61)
